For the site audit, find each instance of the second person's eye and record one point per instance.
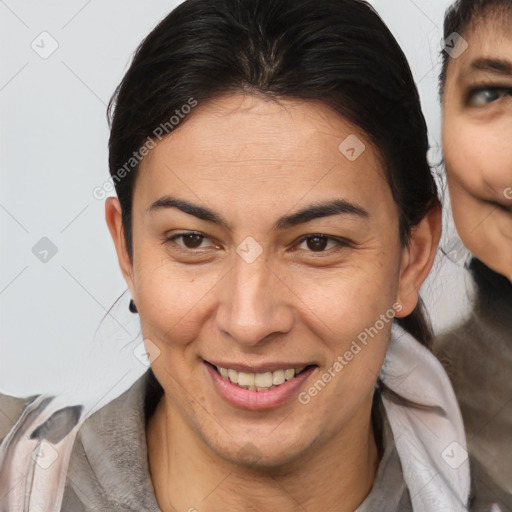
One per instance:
(483, 96)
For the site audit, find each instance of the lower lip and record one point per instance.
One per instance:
(257, 400)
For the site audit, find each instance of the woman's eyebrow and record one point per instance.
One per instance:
(311, 212)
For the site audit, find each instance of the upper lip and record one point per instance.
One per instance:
(258, 368)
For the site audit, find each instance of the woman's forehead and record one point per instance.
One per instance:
(236, 119)
(238, 133)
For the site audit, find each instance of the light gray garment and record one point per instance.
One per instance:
(108, 470)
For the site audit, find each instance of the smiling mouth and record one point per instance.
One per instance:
(260, 381)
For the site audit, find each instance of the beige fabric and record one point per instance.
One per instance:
(11, 408)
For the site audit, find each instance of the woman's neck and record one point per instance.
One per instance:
(337, 474)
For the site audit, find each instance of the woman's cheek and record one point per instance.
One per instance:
(170, 301)
(356, 309)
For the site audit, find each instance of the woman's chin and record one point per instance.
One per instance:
(258, 453)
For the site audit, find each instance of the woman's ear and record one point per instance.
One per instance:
(115, 226)
(418, 258)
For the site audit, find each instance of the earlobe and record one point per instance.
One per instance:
(418, 258)
(114, 222)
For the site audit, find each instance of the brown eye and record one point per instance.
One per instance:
(191, 240)
(318, 243)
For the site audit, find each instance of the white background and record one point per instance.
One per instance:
(53, 152)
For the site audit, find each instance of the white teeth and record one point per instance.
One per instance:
(259, 381)
(278, 377)
(245, 379)
(263, 380)
(289, 374)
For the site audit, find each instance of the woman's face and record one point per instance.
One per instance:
(249, 290)
(477, 142)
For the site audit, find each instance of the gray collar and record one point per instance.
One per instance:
(109, 464)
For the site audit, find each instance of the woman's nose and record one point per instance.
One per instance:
(255, 302)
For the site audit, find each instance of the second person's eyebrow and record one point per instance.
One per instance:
(311, 212)
(496, 66)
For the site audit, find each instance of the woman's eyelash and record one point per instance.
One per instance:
(341, 243)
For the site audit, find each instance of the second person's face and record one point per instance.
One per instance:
(477, 142)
